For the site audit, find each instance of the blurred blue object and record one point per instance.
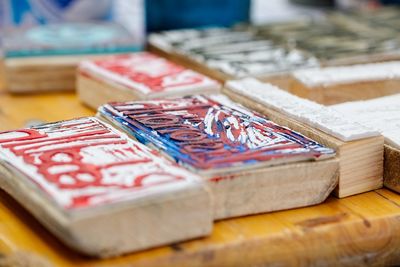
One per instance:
(173, 14)
(27, 14)
(31, 12)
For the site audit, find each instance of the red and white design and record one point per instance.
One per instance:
(84, 162)
(148, 74)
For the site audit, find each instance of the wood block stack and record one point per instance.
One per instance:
(170, 154)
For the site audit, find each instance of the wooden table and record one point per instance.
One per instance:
(358, 230)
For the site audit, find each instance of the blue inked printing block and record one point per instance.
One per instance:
(251, 164)
(68, 39)
(44, 58)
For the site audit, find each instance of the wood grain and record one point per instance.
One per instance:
(18, 110)
(44, 73)
(391, 174)
(355, 231)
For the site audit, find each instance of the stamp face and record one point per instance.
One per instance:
(382, 114)
(68, 39)
(331, 41)
(83, 163)
(147, 73)
(329, 76)
(235, 53)
(71, 34)
(311, 113)
(208, 133)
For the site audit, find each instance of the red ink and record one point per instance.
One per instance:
(66, 156)
(208, 134)
(155, 73)
(31, 134)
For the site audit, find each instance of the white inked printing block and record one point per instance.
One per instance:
(359, 148)
(332, 85)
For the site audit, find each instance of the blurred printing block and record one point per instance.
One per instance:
(332, 85)
(224, 53)
(44, 58)
(138, 76)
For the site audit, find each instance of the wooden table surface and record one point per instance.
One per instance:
(358, 230)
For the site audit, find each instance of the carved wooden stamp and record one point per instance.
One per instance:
(333, 41)
(99, 191)
(44, 58)
(359, 148)
(224, 53)
(382, 114)
(252, 164)
(138, 76)
(333, 85)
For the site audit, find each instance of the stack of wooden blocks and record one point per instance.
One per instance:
(198, 130)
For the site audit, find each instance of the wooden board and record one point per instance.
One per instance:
(335, 85)
(358, 230)
(17, 111)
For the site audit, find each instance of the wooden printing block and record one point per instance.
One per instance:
(100, 192)
(225, 53)
(359, 148)
(334, 85)
(335, 42)
(382, 114)
(383, 22)
(252, 164)
(44, 58)
(136, 77)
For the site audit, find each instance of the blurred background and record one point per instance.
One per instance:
(141, 16)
